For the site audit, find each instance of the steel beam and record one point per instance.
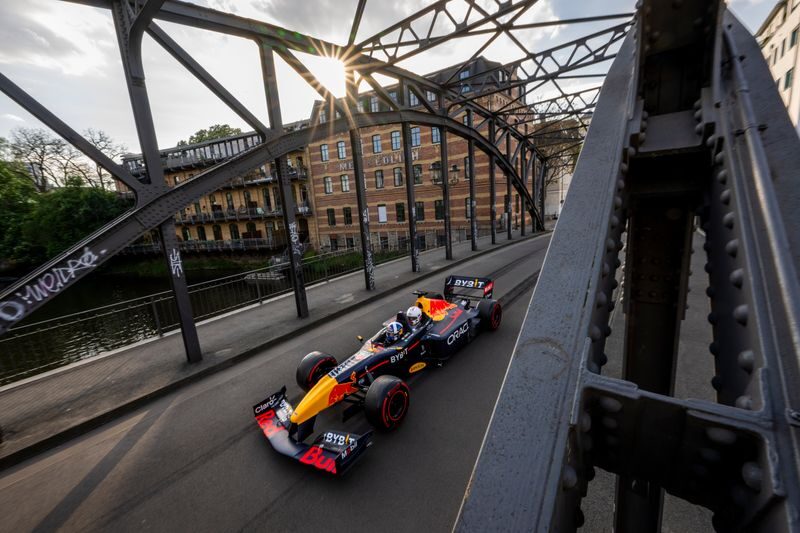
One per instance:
(295, 247)
(473, 203)
(445, 177)
(129, 35)
(492, 185)
(508, 203)
(408, 165)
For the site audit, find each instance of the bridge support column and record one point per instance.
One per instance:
(411, 199)
(542, 190)
(508, 203)
(129, 36)
(523, 204)
(295, 247)
(180, 290)
(363, 209)
(470, 171)
(492, 186)
(444, 168)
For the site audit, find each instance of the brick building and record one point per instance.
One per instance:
(332, 178)
(244, 214)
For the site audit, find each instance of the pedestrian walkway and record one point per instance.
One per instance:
(40, 412)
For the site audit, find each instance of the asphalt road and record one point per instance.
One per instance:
(196, 461)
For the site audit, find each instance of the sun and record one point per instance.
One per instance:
(329, 71)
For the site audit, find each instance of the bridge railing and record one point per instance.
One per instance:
(35, 347)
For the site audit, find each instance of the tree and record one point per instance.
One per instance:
(18, 198)
(62, 217)
(217, 131)
(51, 161)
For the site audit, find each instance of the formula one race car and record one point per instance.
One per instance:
(371, 379)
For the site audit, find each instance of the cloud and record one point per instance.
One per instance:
(12, 117)
(40, 33)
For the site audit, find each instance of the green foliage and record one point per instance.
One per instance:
(217, 131)
(18, 198)
(62, 217)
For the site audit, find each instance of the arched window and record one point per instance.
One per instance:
(201, 233)
(234, 229)
(251, 231)
(187, 236)
(217, 232)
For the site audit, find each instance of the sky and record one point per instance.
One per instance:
(66, 56)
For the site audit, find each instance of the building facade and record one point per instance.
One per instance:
(778, 37)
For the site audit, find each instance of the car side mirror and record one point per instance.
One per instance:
(360, 338)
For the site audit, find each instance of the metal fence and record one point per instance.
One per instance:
(29, 349)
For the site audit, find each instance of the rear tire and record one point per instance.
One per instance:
(386, 403)
(491, 313)
(311, 369)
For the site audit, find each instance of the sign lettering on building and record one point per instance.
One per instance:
(392, 158)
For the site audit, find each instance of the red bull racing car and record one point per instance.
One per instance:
(426, 335)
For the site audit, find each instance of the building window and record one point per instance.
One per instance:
(323, 116)
(331, 217)
(201, 233)
(465, 120)
(783, 47)
(341, 150)
(398, 176)
(217, 231)
(382, 213)
(436, 137)
(793, 37)
(464, 74)
(267, 199)
(373, 104)
(419, 208)
(438, 210)
(467, 175)
(376, 144)
(229, 200)
(467, 210)
(395, 140)
(393, 96)
(334, 244)
(430, 95)
(351, 242)
(323, 152)
(400, 211)
(345, 183)
(328, 184)
(187, 236)
(277, 195)
(379, 179)
(415, 137)
(787, 81)
(234, 229)
(348, 216)
(413, 101)
(197, 210)
(417, 174)
(360, 106)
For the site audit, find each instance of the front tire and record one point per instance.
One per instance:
(311, 369)
(491, 314)
(386, 403)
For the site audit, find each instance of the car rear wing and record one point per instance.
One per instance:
(466, 287)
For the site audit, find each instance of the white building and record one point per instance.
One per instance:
(778, 37)
(555, 195)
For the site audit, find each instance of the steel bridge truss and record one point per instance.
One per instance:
(564, 117)
(689, 127)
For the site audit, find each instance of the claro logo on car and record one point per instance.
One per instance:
(457, 333)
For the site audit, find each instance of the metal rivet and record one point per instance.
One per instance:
(725, 197)
(710, 455)
(698, 114)
(610, 245)
(737, 278)
(570, 478)
(732, 247)
(586, 422)
(620, 185)
(722, 176)
(714, 348)
(707, 267)
(606, 269)
(746, 360)
(721, 435)
(618, 201)
(595, 334)
(744, 402)
(716, 383)
(612, 405)
(710, 141)
(728, 220)
(710, 292)
(699, 128)
(623, 167)
(601, 300)
(609, 423)
(740, 313)
(602, 359)
(752, 475)
(719, 158)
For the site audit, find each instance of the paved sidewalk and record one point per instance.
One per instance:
(41, 412)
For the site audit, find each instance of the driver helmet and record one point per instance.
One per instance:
(413, 315)
(394, 331)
